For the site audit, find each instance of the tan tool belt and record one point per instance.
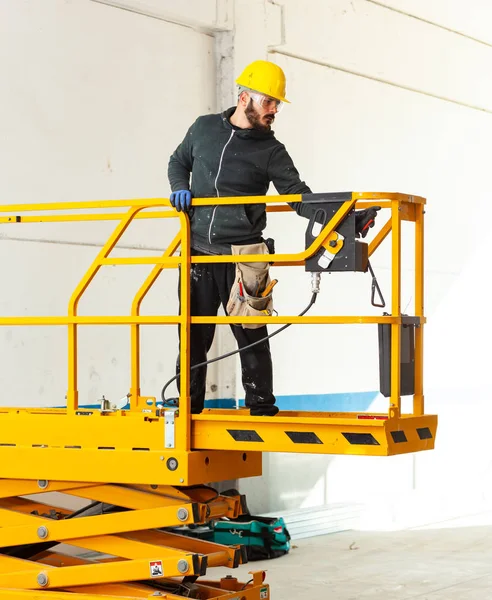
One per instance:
(251, 280)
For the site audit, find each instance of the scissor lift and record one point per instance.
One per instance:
(141, 468)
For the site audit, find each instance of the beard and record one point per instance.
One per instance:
(256, 120)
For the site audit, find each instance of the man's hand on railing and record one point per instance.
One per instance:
(181, 200)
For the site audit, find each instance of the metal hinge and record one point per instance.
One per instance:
(169, 427)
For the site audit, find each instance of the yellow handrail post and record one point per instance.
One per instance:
(183, 423)
(395, 400)
(418, 398)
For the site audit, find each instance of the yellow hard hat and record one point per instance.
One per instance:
(264, 77)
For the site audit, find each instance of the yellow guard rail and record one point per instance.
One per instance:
(197, 443)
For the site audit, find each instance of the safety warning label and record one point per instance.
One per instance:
(156, 569)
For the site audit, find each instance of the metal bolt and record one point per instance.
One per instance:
(157, 594)
(42, 579)
(42, 532)
(42, 484)
(183, 514)
(181, 480)
(172, 463)
(183, 566)
(161, 458)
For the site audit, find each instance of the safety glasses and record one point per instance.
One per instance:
(266, 102)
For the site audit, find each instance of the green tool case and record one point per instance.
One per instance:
(263, 537)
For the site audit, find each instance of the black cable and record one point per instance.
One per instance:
(207, 362)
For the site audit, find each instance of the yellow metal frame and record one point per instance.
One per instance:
(152, 456)
(137, 434)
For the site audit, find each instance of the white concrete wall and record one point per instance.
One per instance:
(385, 100)
(391, 95)
(93, 101)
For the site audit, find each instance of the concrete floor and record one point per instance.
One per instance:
(431, 564)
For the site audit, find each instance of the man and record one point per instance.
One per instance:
(233, 154)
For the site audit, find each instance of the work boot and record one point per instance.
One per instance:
(263, 410)
(364, 220)
(261, 406)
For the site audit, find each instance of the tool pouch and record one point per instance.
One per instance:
(251, 279)
(263, 537)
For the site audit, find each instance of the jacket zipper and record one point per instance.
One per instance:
(216, 188)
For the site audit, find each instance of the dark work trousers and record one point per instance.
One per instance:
(210, 285)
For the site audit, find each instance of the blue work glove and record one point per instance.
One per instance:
(181, 200)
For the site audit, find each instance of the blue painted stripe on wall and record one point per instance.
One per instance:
(220, 403)
(341, 402)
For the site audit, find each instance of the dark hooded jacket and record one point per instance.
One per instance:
(223, 161)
